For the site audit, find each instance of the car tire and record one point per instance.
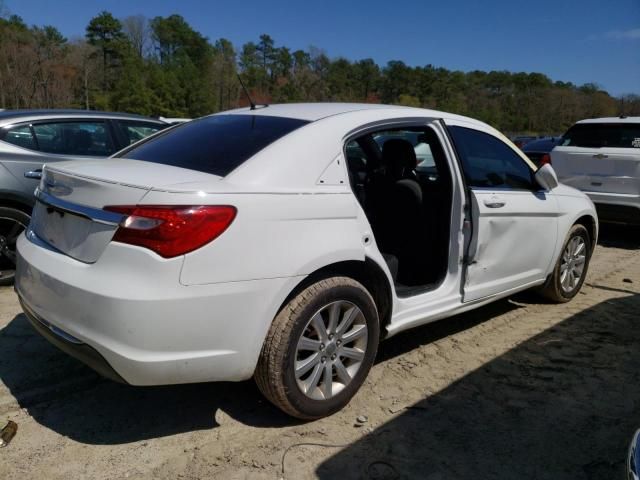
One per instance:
(12, 223)
(563, 284)
(297, 358)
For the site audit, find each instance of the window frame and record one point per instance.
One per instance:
(504, 187)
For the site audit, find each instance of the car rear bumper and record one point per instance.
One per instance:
(616, 207)
(141, 326)
(71, 345)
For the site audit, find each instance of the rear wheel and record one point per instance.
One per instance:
(571, 269)
(12, 223)
(319, 349)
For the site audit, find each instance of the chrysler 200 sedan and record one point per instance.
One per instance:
(285, 242)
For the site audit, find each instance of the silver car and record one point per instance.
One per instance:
(30, 138)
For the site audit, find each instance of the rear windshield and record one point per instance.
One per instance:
(215, 144)
(597, 135)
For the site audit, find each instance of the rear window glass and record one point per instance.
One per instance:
(598, 135)
(215, 144)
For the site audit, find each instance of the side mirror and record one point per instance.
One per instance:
(546, 177)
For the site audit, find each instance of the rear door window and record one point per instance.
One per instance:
(86, 138)
(600, 135)
(135, 131)
(20, 136)
(216, 144)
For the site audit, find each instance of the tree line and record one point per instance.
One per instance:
(163, 67)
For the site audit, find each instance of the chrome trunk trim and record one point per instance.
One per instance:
(95, 214)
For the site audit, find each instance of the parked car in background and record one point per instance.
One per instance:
(174, 120)
(521, 140)
(601, 157)
(243, 244)
(29, 138)
(538, 150)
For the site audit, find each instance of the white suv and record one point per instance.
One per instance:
(284, 242)
(601, 157)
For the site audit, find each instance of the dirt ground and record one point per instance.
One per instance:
(518, 389)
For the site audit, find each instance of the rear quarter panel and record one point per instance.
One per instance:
(273, 235)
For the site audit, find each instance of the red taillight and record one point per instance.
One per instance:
(545, 159)
(172, 230)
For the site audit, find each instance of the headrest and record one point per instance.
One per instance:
(399, 157)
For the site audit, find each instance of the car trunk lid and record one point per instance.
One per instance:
(69, 214)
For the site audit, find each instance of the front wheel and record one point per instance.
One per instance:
(571, 269)
(319, 349)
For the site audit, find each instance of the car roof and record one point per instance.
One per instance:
(11, 116)
(317, 111)
(611, 120)
(322, 139)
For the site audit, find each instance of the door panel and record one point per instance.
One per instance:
(19, 164)
(513, 240)
(514, 224)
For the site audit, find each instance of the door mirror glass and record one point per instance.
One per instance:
(546, 177)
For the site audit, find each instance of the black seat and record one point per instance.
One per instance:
(400, 227)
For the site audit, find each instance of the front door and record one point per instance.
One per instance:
(514, 223)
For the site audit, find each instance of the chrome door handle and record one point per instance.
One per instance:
(494, 203)
(35, 174)
(600, 155)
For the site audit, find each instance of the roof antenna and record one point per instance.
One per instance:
(622, 115)
(246, 92)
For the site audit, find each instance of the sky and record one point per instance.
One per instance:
(580, 41)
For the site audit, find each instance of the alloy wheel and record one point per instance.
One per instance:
(573, 262)
(330, 350)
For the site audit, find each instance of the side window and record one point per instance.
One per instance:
(20, 136)
(88, 138)
(489, 162)
(134, 131)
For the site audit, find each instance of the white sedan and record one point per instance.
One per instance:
(285, 242)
